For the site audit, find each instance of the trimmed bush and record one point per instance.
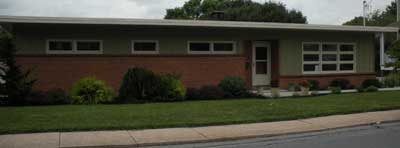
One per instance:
(89, 90)
(371, 82)
(193, 94)
(392, 80)
(314, 85)
(169, 88)
(335, 90)
(342, 83)
(137, 84)
(233, 87)
(371, 89)
(50, 97)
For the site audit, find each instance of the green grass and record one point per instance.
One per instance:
(184, 114)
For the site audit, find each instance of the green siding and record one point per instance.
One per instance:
(31, 39)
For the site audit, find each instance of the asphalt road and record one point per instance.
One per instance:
(374, 136)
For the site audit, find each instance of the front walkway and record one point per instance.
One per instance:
(129, 138)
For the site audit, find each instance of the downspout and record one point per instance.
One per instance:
(382, 49)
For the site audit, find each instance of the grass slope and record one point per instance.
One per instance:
(184, 114)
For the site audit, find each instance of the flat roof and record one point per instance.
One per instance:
(189, 23)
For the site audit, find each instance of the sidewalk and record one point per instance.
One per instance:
(132, 138)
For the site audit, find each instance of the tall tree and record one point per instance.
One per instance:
(16, 85)
(236, 10)
(377, 18)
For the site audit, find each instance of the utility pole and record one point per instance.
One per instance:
(365, 5)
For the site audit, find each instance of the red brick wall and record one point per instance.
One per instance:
(324, 80)
(196, 71)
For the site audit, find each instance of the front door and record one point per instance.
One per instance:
(261, 64)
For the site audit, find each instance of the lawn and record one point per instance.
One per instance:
(184, 114)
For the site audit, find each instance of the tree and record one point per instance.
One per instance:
(377, 18)
(17, 85)
(235, 10)
(394, 52)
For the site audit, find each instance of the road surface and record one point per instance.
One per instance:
(373, 136)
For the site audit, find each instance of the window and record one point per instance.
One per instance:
(145, 47)
(328, 57)
(88, 45)
(74, 47)
(59, 46)
(206, 47)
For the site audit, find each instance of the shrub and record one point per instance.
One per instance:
(342, 83)
(137, 84)
(314, 84)
(335, 90)
(169, 88)
(50, 97)
(360, 89)
(371, 89)
(211, 92)
(392, 80)
(371, 82)
(293, 87)
(304, 83)
(89, 90)
(193, 94)
(233, 86)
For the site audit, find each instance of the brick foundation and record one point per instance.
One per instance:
(196, 71)
(324, 80)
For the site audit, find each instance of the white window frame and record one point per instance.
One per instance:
(74, 47)
(320, 52)
(211, 44)
(145, 52)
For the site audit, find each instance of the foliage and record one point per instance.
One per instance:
(377, 18)
(233, 87)
(49, 97)
(371, 82)
(371, 89)
(168, 88)
(342, 83)
(335, 90)
(207, 92)
(394, 52)
(89, 90)
(304, 83)
(236, 10)
(360, 89)
(392, 80)
(17, 84)
(314, 85)
(137, 84)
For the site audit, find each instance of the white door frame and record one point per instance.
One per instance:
(261, 79)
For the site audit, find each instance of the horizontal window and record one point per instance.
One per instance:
(310, 47)
(199, 46)
(311, 67)
(346, 67)
(217, 47)
(311, 57)
(60, 45)
(328, 57)
(346, 57)
(88, 46)
(74, 47)
(145, 47)
(329, 47)
(346, 47)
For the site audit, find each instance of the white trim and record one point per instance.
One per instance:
(74, 47)
(211, 46)
(190, 23)
(321, 62)
(157, 50)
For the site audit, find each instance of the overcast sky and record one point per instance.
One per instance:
(317, 11)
